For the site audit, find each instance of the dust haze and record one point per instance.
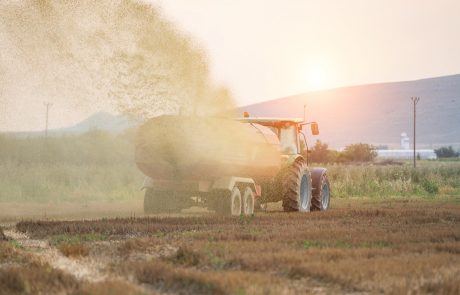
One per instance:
(119, 56)
(90, 55)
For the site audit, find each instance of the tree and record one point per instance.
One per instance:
(359, 152)
(321, 153)
(446, 152)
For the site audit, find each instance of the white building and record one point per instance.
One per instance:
(404, 141)
(405, 153)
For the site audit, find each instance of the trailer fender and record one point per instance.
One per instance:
(228, 183)
(148, 183)
(316, 174)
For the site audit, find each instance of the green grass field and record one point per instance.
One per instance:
(97, 166)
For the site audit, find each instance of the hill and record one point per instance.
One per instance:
(377, 113)
(102, 121)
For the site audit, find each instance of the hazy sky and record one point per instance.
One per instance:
(265, 49)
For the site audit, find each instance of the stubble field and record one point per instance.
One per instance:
(394, 246)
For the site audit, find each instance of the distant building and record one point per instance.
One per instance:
(405, 153)
(404, 141)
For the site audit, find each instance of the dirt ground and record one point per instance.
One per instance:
(392, 246)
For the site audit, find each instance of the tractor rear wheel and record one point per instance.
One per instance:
(297, 188)
(161, 202)
(322, 195)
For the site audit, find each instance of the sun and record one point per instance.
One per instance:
(317, 77)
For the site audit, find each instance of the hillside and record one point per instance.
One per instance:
(377, 113)
(102, 121)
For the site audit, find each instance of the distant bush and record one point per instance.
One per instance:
(446, 152)
(359, 152)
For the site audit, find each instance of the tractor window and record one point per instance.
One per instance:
(288, 140)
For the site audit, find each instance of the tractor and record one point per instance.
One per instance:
(210, 170)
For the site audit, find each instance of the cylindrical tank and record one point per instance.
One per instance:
(196, 148)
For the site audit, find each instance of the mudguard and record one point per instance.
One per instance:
(227, 183)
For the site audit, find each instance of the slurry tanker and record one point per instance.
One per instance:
(229, 166)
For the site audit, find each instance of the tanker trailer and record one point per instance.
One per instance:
(225, 165)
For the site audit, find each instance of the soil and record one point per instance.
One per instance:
(357, 247)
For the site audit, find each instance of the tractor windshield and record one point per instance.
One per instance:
(288, 139)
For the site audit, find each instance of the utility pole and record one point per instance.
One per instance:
(48, 105)
(415, 101)
(305, 113)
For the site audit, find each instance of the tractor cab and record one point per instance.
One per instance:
(288, 131)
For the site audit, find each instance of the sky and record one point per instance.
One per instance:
(267, 49)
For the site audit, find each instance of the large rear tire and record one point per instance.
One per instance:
(161, 202)
(297, 187)
(322, 195)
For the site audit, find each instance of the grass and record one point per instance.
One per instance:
(73, 250)
(76, 239)
(23, 273)
(399, 247)
(431, 178)
(98, 166)
(81, 168)
(35, 278)
(2, 235)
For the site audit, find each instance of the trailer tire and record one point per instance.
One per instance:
(248, 201)
(322, 195)
(156, 202)
(297, 187)
(230, 204)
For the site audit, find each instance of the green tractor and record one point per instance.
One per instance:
(296, 185)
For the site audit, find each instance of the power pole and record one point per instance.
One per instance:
(305, 113)
(48, 105)
(415, 101)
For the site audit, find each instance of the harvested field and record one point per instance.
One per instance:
(394, 246)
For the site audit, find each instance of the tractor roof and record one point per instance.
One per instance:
(270, 121)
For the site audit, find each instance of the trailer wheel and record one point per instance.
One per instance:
(248, 201)
(321, 197)
(230, 204)
(297, 187)
(235, 202)
(160, 202)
